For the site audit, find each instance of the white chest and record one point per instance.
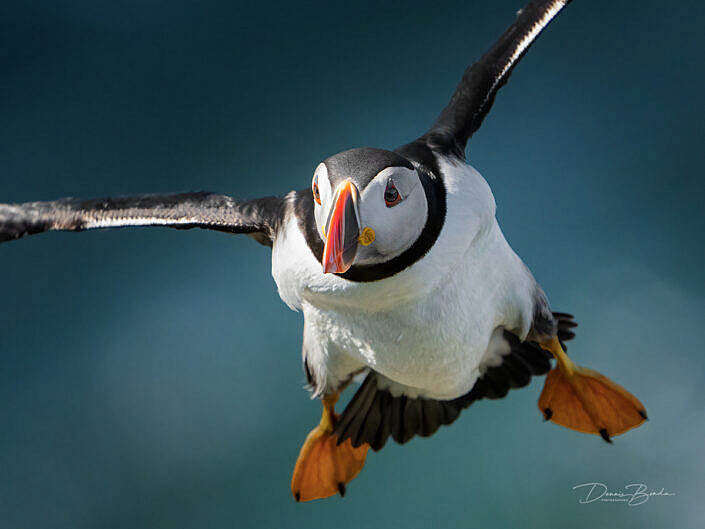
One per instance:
(429, 326)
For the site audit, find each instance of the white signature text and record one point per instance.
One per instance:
(632, 494)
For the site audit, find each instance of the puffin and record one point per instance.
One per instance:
(406, 283)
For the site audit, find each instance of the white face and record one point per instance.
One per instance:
(393, 204)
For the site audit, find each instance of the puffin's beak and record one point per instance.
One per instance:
(342, 230)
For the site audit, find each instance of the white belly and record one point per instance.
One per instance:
(428, 327)
(422, 345)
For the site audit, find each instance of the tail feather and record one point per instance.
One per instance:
(566, 324)
(374, 414)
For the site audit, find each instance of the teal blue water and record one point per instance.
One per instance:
(152, 378)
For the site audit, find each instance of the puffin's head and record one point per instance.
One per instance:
(370, 206)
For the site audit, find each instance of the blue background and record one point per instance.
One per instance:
(151, 378)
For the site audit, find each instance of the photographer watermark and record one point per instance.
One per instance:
(632, 494)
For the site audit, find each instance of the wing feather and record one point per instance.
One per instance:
(259, 218)
(476, 91)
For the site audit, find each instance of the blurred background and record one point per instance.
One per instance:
(151, 378)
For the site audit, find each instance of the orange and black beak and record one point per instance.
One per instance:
(342, 230)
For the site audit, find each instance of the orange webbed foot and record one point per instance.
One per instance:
(324, 468)
(587, 401)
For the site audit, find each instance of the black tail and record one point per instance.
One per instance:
(374, 414)
(566, 324)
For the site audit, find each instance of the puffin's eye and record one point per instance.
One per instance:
(391, 194)
(316, 192)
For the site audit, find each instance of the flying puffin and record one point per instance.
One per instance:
(403, 276)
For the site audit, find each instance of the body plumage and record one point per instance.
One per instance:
(468, 285)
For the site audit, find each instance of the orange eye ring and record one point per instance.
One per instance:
(316, 192)
(392, 197)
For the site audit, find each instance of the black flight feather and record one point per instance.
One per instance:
(259, 218)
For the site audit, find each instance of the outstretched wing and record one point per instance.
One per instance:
(259, 218)
(475, 94)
